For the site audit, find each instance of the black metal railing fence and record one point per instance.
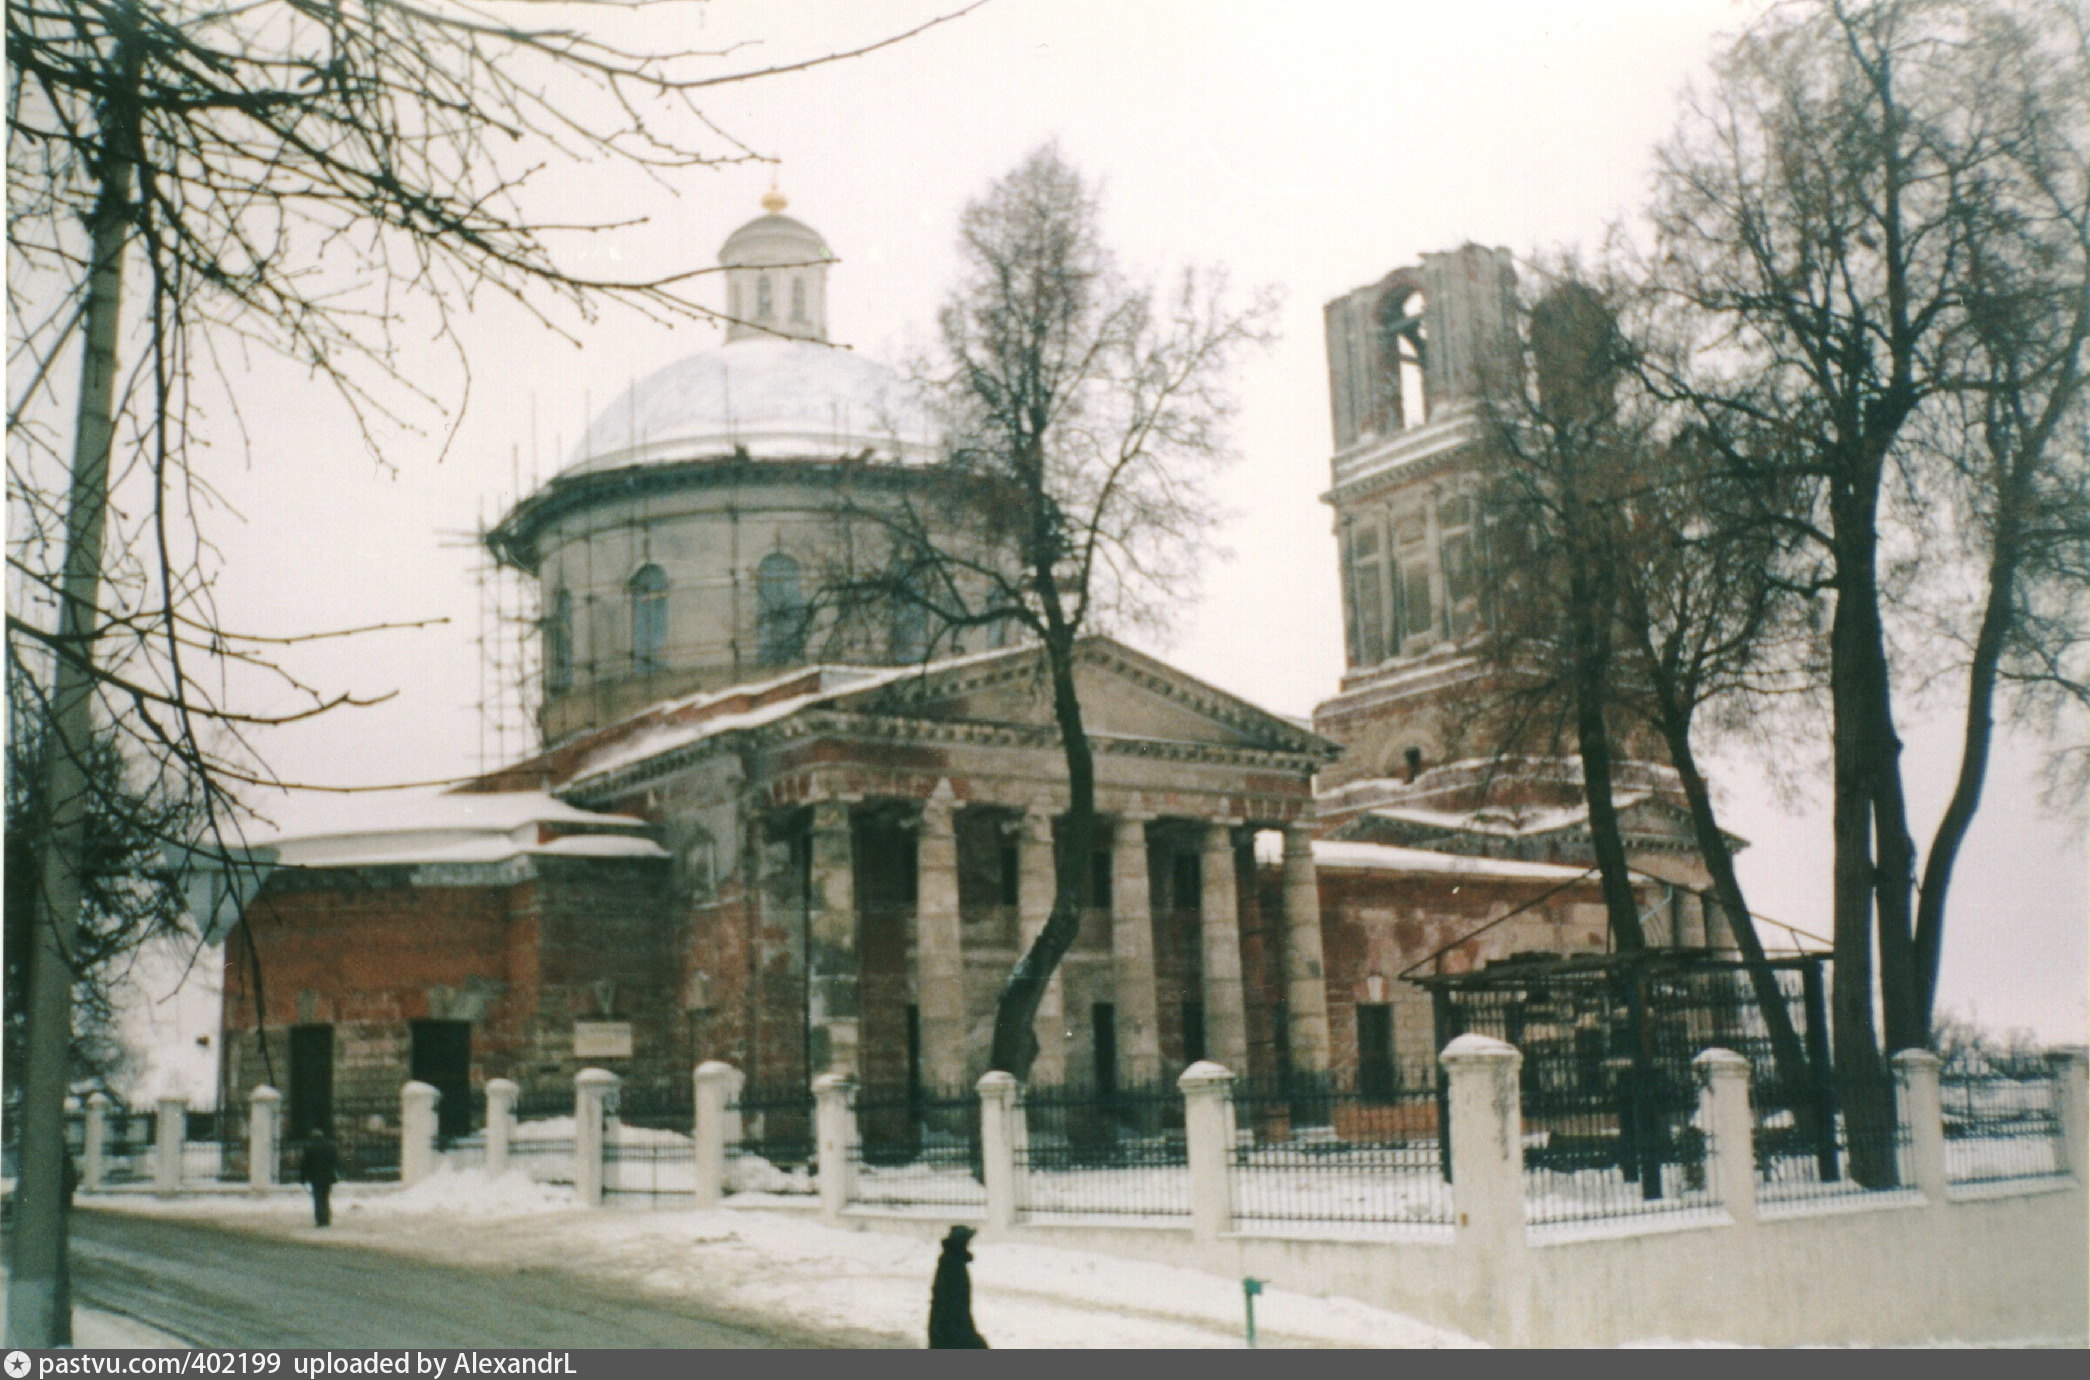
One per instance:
(918, 1147)
(770, 1145)
(1113, 1152)
(649, 1149)
(1329, 1151)
(1999, 1128)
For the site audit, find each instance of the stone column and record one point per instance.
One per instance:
(1000, 1173)
(1920, 1102)
(95, 1152)
(714, 1093)
(264, 1106)
(1036, 885)
(831, 961)
(1306, 986)
(500, 1124)
(170, 1126)
(1208, 1134)
(834, 1136)
(416, 1132)
(592, 1091)
(1723, 1116)
(1132, 955)
(1219, 924)
(939, 959)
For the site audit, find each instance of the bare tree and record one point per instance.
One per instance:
(1084, 416)
(132, 895)
(1561, 460)
(1820, 211)
(2010, 442)
(306, 176)
(1634, 582)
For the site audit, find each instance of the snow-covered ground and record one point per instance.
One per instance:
(785, 1265)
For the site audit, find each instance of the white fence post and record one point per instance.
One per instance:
(500, 1124)
(1208, 1133)
(1000, 1106)
(2072, 1105)
(264, 1106)
(1486, 1138)
(714, 1094)
(94, 1150)
(1723, 1116)
(592, 1089)
(1921, 1103)
(416, 1132)
(170, 1128)
(834, 1129)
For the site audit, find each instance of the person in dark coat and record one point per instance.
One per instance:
(320, 1167)
(950, 1300)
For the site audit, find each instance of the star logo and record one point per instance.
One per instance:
(17, 1364)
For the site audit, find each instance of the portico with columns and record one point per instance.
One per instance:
(898, 833)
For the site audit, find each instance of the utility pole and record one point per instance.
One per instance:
(39, 1306)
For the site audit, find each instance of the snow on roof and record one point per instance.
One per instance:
(1506, 823)
(685, 721)
(438, 808)
(1384, 857)
(442, 826)
(771, 398)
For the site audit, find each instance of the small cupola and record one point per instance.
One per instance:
(776, 277)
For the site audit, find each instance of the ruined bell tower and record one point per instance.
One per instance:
(1408, 357)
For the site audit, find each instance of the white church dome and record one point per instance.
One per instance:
(775, 399)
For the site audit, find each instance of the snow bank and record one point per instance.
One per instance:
(468, 1193)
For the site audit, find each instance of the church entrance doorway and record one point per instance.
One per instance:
(311, 1079)
(442, 1058)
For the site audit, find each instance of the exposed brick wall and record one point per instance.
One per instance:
(367, 952)
(1377, 924)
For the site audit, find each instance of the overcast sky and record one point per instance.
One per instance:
(1313, 147)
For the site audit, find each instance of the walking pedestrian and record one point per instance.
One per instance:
(320, 1166)
(950, 1299)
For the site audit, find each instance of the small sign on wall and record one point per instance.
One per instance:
(602, 1039)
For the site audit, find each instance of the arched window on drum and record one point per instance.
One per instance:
(649, 620)
(780, 611)
(558, 642)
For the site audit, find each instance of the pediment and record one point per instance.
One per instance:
(1124, 694)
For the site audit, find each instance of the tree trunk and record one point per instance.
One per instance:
(1895, 876)
(1016, 1013)
(1866, 1095)
(1593, 739)
(1788, 1056)
(39, 1311)
(1978, 735)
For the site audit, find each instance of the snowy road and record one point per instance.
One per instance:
(234, 1289)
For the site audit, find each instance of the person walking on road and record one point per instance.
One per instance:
(320, 1167)
(950, 1298)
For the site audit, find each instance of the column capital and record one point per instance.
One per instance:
(1219, 832)
(1298, 839)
